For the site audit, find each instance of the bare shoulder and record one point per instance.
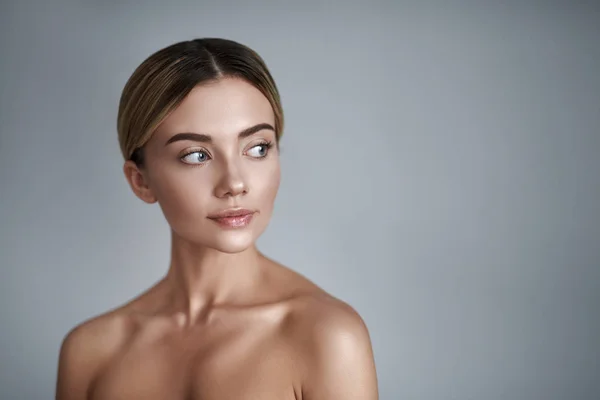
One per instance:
(316, 313)
(334, 346)
(86, 349)
(324, 318)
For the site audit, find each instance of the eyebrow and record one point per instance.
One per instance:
(204, 138)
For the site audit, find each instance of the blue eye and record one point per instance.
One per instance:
(199, 157)
(259, 151)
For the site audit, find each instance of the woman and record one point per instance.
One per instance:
(199, 126)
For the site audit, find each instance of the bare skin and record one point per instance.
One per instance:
(225, 322)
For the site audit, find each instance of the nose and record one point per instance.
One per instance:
(231, 182)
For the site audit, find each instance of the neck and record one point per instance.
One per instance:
(200, 277)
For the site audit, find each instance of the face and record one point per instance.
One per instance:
(215, 152)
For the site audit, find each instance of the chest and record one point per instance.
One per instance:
(239, 365)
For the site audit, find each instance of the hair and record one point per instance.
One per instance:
(162, 81)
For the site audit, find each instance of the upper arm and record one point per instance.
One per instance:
(340, 363)
(83, 351)
(74, 367)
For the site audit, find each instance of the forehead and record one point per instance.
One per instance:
(220, 109)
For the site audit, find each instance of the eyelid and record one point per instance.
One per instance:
(259, 143)
(192, 151)
(266, 143)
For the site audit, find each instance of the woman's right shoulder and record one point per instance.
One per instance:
(100, 332)
(88, 347)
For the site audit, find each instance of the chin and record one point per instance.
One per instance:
(232, 242)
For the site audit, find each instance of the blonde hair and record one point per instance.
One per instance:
(165, 78)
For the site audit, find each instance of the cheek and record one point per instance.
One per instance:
(268, 184)
(182, 193)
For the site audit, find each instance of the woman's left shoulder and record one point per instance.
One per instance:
(334, 350)
(312, 311)
(327, 317)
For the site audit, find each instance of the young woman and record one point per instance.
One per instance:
(199, 126)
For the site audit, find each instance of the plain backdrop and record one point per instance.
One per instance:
(441, 174)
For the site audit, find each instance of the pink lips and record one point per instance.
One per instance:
(233, 218)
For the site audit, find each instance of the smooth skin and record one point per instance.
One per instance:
(225, 322)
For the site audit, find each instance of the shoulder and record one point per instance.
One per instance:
(96, 335)
(334, 346)
(85, 349)
(325, 317)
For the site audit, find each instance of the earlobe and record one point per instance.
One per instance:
(137, 182)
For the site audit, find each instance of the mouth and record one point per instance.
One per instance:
(233, 218)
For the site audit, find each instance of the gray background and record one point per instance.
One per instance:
(441, 173)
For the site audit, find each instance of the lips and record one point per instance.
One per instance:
(233, 218)
(233, 212)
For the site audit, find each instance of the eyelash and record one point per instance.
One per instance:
(267, 144)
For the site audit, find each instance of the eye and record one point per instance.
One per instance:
(195, 157)
(260, 150)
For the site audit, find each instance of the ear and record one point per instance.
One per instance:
(138, 182)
